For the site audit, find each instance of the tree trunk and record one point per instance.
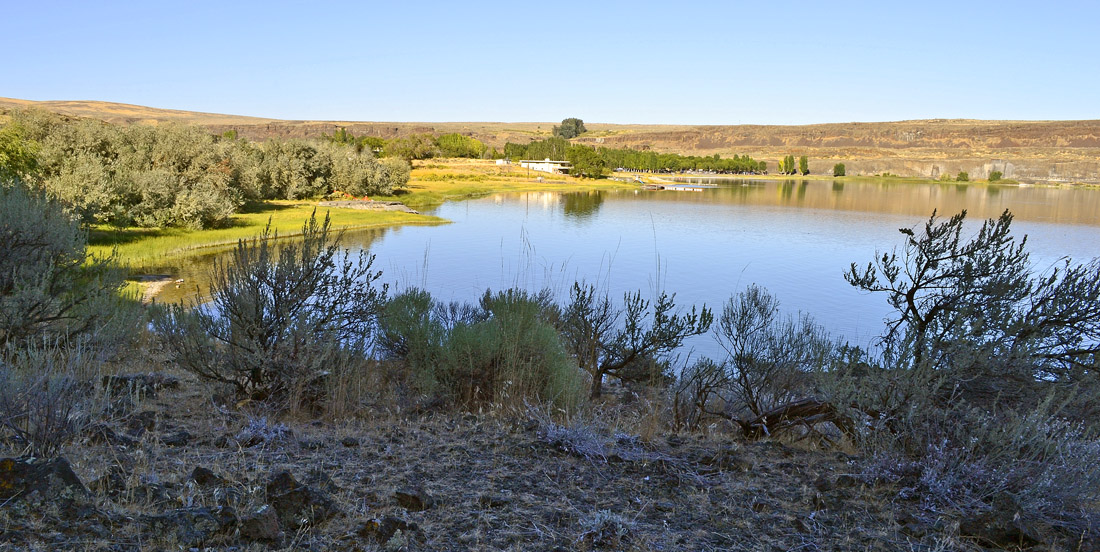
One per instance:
(804, 412)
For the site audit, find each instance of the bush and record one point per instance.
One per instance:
(962, 177)
(770, 361)
(838, 169)
(49, 289)
(625, 342)
(995, 176)
(44, 396)
(277, 317)
(502, 351)
(983, 397)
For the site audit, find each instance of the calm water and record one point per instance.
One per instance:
(794, 237)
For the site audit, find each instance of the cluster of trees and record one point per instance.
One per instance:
(174, 175)
(788, 165)
(415, 146)
(560, 149)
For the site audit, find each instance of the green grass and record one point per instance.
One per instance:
(432, 184)
(138, 247)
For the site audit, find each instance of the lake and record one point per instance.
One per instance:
(794, 237)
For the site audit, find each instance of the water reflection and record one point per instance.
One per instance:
(581, 205)
(194, 270)
(793, 236)
(1046, 204)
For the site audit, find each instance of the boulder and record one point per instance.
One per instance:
(413, 499)
(53, 480)
(189, 526)
(261, 525)
(383, 529)
(298, 505)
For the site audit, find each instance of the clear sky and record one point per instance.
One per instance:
(616, 62)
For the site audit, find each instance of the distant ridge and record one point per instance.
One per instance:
(1030, 151)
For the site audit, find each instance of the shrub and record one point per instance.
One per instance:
(648, 333)
(44, 395)
(962, 177)
(995, 176)
(48, 287)
(502, 351)
(982, 397)
(838, 169)
(277, 316)
(769, 359)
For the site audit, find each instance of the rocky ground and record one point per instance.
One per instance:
(174, 470)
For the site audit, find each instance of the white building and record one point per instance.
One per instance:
(546, 165)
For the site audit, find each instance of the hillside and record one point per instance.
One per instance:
(1029, 151)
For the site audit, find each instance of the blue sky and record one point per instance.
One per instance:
(616, 62)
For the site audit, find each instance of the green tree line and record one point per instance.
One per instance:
(180, 176)
(559, 149)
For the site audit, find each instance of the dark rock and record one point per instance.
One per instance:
(112, 483)
(141, 422)
(142, 384)
(845, 480)
(1002, 526)
(262, 525)
(99, 433)
(727, 459)
(413, 499)
(206, 478)
(665, 506)
(52, 480)
(190, 526)
(154, 494)
(178, 438)
(311, 444)
(349, 442)
(317, 477)
(383, 529)
(298, 505)
(494, 500)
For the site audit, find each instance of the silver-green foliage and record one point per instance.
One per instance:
(48, 287)
(277, 314)
(175, 175)
(503, 350)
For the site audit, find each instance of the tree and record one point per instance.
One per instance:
(586, 162)
(49, 288)
(967, 305)
(649, 330)
(995, 176)
(18, 154)
(804, 165)
(457, 145)
(962, 177)
(569, 128)
(415, 146)
(838, 169)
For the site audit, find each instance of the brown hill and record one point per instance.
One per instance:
(1030, 151)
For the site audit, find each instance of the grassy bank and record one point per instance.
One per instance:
(437, 181)
(433, 182)
(139, 247)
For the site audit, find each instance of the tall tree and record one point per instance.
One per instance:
(804, 165)
(570, 128)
